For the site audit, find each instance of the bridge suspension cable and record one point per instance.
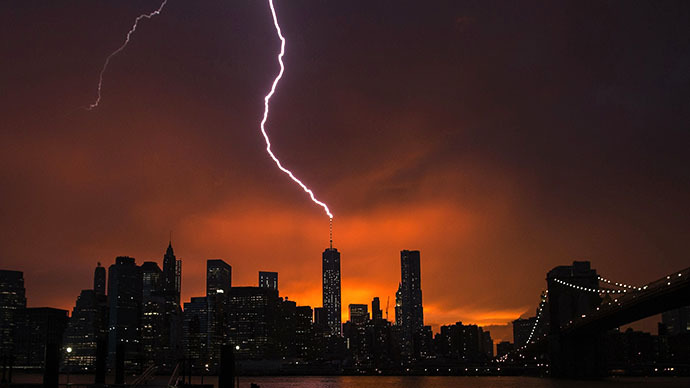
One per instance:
(622, 285)
(536, 321)
(542, 302)
(588, 289)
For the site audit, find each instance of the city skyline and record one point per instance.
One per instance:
(141, 321)
(498, 140)
(504, 331)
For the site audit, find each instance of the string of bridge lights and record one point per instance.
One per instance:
(504, 357)
(626, 288)
(595, 290)
(536, 322)
(623, 285)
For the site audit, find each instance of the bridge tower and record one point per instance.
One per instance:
(573, 356)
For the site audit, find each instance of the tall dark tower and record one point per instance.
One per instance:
(124, 300)
(99, 280)
(12, 310)
(171, 274)
(331, 289)
(171, 279)
(411, 298)
(376, 313)
(218, 285)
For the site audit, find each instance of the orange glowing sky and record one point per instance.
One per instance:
(499, 142)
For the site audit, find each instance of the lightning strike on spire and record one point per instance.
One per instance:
(263, 122)
(129, 34)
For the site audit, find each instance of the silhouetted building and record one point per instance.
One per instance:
(218, 277)
(331, 289)
(12, 310)
(677, 321)
(252, 322)
(630, 350)
(320, 318)
(124, 300)
(411, 299)
(466, 343)
(286, 327)
(355, 332)
(154, 327)
(398, 307)
(674, 335)
(522, 327)
(196, 333)
(87, 326)
(172, 274)
(151, 276)
(304, 333)
(382, 348)
(376, 313)
(171, 347)
(218, 286)
(99, 279)
(43, 326)
(503, 348)
(322, 332)
(487, 344)
(268, 280)
(359, 313)
(423, 343)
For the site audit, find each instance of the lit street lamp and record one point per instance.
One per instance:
(202, 373)
(69, 351)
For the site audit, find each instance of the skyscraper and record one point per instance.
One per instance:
(12, 309)
(677, 321)
(88, 325)
(359, 313)
(376, 313)
(172, 269)
(268, 280)
(522, 327)
(172, 275)
(124, 299)
(252, 322)
(43, 326)
(411, 298)
(99, 280)
(398, 307)
(151, 278)
(154, 329)
(196, 332)
(304, 331)
(331, 289)
(218, 277)
(218, 286)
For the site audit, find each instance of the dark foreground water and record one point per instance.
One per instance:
(412, 382)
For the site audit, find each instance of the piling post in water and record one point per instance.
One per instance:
(226, 372)
(52, 364)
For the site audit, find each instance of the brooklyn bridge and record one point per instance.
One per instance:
(579, 306)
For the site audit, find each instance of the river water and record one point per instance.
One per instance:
(411, 382)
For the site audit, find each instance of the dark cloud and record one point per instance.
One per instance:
(500, 139)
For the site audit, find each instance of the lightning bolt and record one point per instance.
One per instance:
(119, 49)
(263, 122)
